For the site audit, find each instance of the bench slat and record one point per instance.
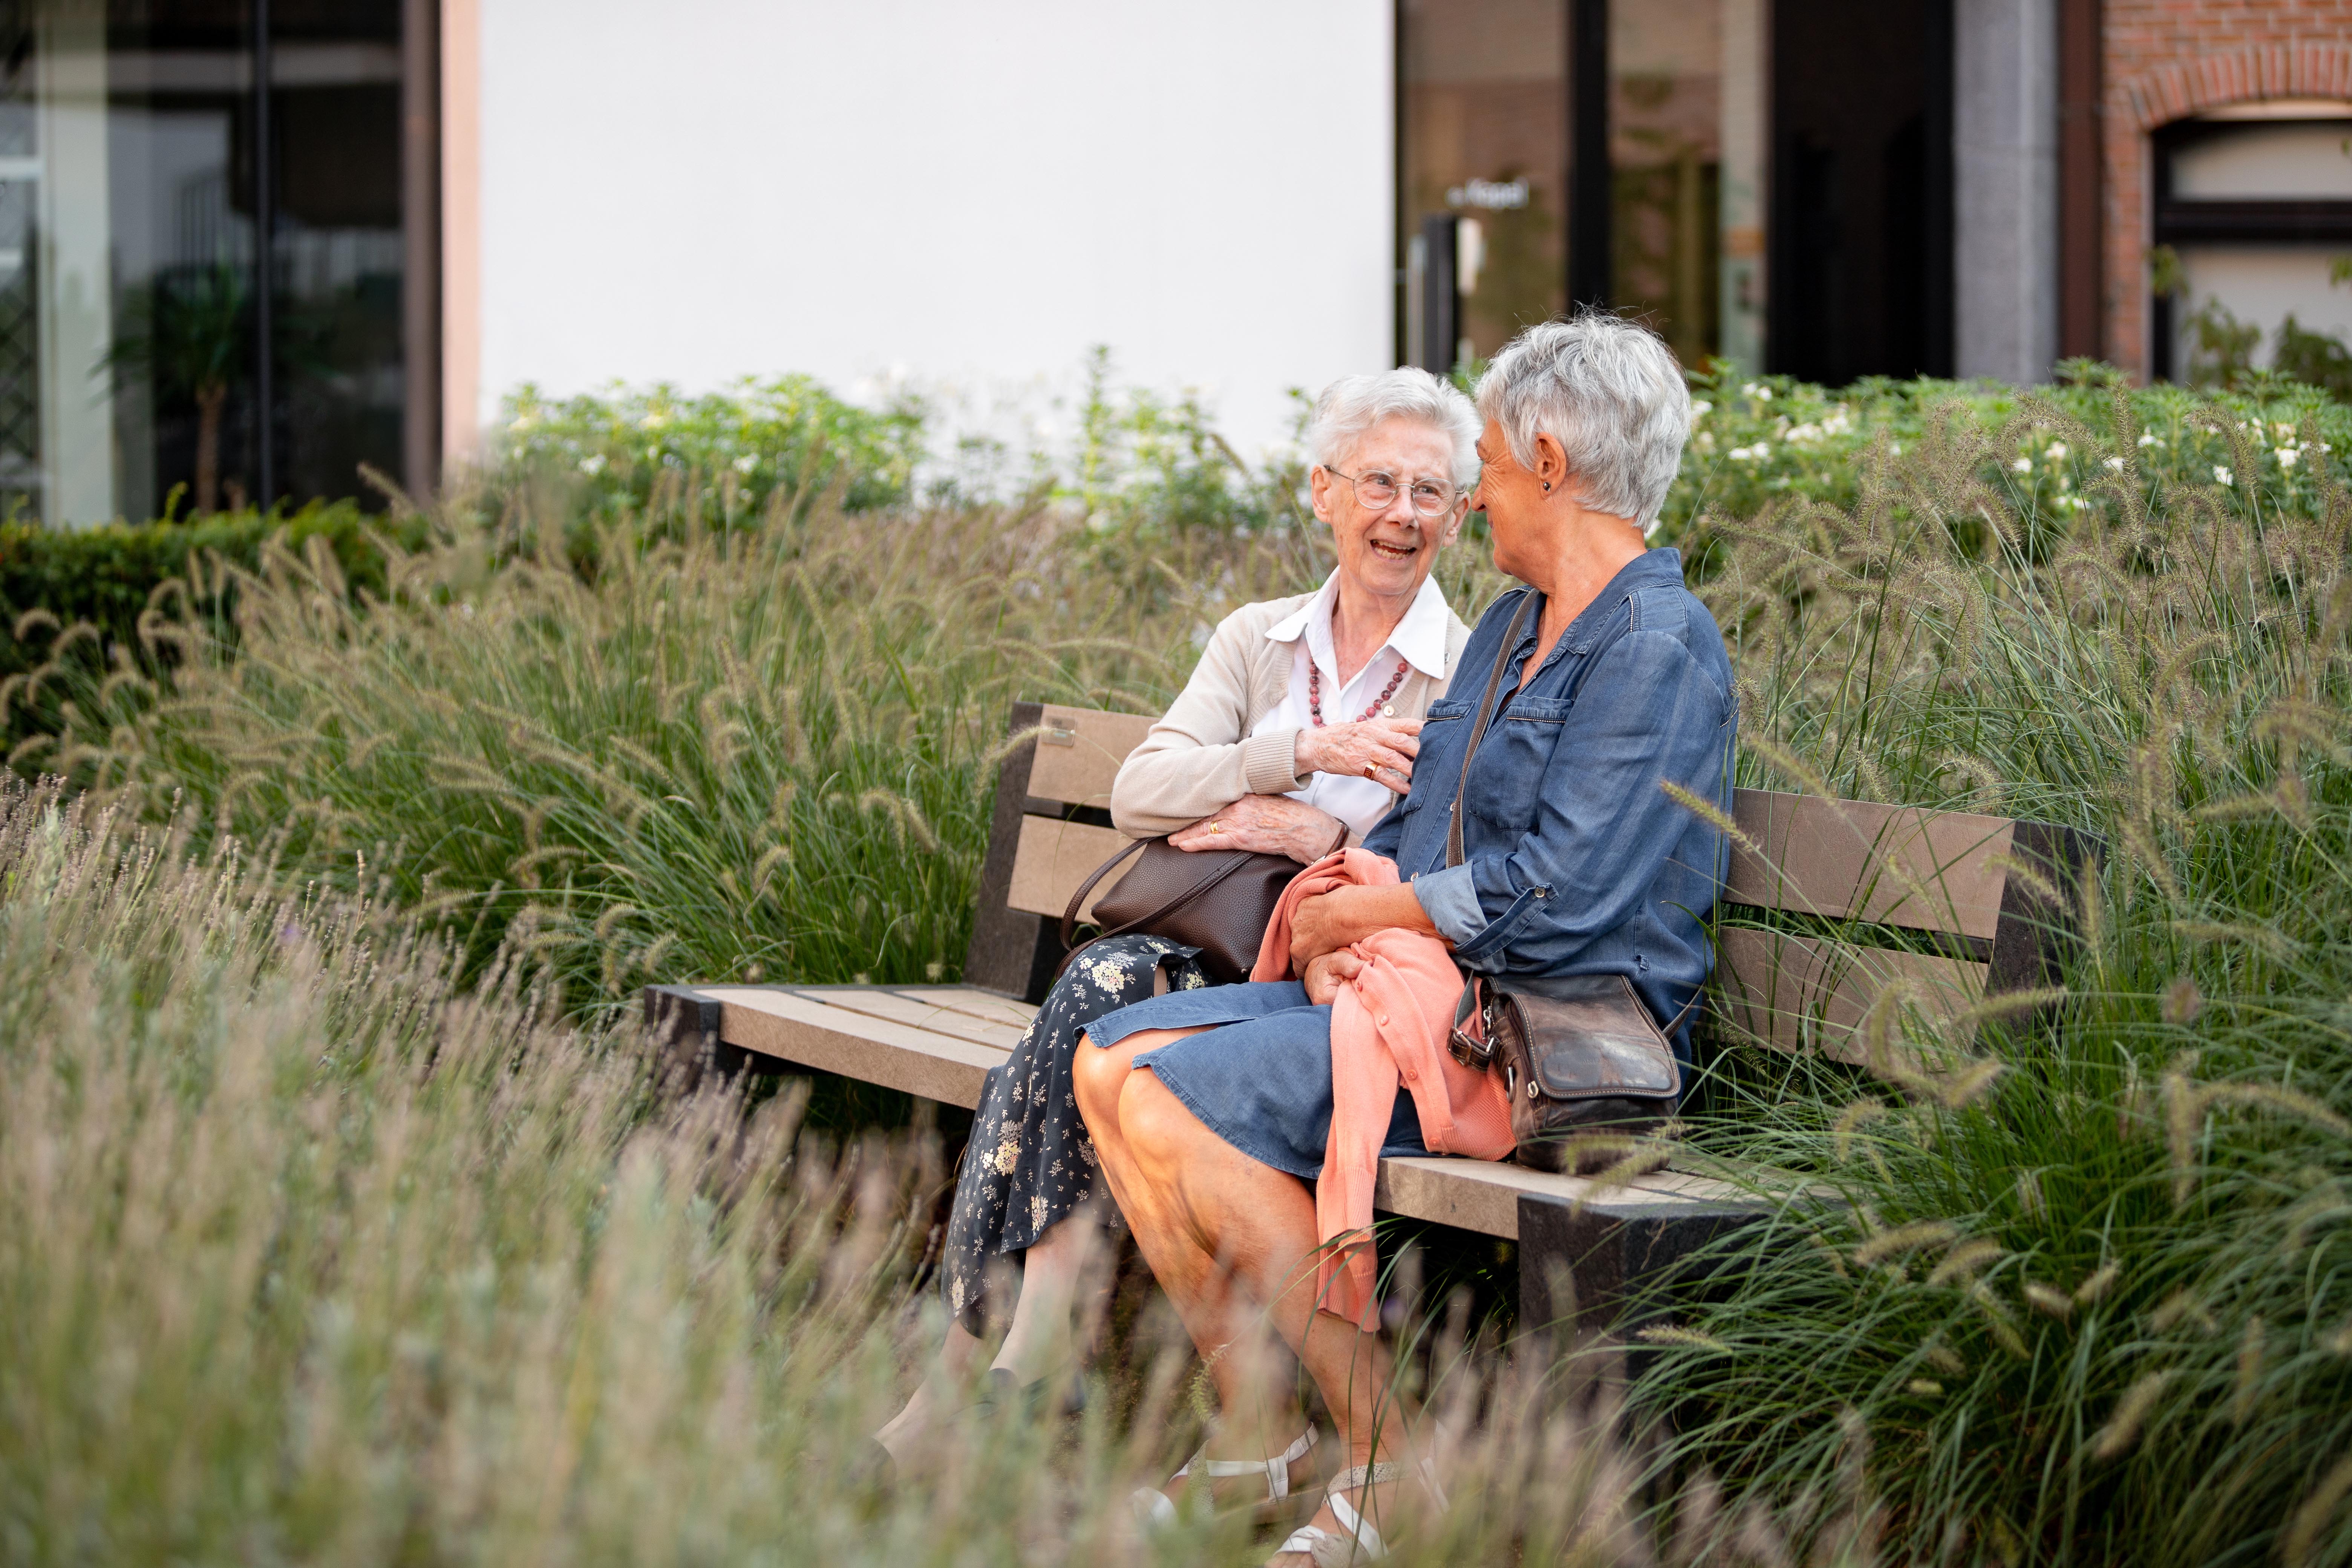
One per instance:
(792, 1028)
(1845, 860)
(973, 1000)
(1484, 1196)
(1054, 858)
(1079, 772)
(1788, 990)
(878, 1002)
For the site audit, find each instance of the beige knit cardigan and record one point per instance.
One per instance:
(1200, 757)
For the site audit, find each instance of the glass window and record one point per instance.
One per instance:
(131, 198)
(1665, 165)
(2252, 218)
(1486, 143)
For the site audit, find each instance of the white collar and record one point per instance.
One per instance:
(1419, 639)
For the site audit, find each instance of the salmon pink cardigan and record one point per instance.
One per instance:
(1388, 1026)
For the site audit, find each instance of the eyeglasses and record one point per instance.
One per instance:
(1376, 490)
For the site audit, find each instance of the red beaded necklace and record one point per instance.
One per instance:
(1379, 706)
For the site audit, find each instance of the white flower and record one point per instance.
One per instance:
(2114, 464)
(1895, 449)
(2148, 439)
(2056, 452)
(1701, 408)
(593, 464)
(2286, 457)
(1757, 391)
(2284, 432)
(2222, 476)
(1704, 440)
(747, 462)
(2023, 464)
(1804, 435)
(1756, 453)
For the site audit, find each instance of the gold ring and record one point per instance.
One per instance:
(1216, 827)
(1372, 770)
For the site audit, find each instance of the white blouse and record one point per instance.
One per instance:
(1418, 640)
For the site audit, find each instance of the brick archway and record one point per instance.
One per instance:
(2174, 91)
(2167, 59)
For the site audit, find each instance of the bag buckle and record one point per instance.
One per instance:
(1470, 1053)
(1476, 1054)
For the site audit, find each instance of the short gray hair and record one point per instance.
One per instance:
(1609, 392)
(1354, 403)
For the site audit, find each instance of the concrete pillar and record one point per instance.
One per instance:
(2005, 188)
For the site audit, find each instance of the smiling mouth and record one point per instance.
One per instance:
(1388, 551)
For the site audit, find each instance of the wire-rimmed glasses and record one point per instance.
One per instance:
(1378, 490)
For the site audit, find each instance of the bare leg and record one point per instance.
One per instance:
(935, 1397)
(1054, 1272)
(1258, 1414)
(1228, 1237)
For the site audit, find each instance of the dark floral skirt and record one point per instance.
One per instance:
(1030, 1163)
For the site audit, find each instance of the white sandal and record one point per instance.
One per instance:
(1361, 1541)
(1156, 1507)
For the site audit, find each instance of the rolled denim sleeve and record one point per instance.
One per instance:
(1450, 899)
(1648, 713)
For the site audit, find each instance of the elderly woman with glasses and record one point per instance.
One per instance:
(1293, 736)
(1211, 1111)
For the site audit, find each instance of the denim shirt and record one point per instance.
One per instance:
(1574, 860)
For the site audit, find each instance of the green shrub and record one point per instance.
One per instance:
(107, 578)
(716, 459)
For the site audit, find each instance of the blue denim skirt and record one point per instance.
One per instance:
(1261, 1077)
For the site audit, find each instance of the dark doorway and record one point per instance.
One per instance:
(1861, 275)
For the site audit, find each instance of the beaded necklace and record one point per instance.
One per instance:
(1379, 706)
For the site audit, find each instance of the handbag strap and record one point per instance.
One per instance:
(1478, 731)
(1078, 898)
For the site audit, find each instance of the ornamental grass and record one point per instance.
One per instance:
(2060, 1283)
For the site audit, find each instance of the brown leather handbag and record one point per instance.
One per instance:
(1579, 1054)
(1219, 901)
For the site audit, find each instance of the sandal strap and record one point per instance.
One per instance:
(1276, 1468)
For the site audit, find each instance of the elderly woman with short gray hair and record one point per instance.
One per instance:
(1210, 1110)
(1295, 735)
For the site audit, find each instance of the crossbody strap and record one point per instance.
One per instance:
(1478, 731)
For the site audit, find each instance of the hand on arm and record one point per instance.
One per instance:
(1266, 824)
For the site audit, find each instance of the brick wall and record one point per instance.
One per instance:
(2163, 61)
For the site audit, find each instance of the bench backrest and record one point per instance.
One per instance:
(1847, 896)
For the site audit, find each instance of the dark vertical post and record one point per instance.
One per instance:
(1936, 287)
(1441, 294)
(265, 265)
(2081, 229)
(1589, 183)
(420, 241)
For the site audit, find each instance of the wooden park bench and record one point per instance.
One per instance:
(1848, 897)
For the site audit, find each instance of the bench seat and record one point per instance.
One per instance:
(937, 1042)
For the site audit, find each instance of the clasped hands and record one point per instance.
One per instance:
(1325, 929)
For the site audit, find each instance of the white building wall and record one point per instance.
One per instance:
(713, 188)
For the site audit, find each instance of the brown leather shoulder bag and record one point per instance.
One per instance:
(1219, 901)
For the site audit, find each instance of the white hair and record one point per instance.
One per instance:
(1354, 403)
(1609, 392)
